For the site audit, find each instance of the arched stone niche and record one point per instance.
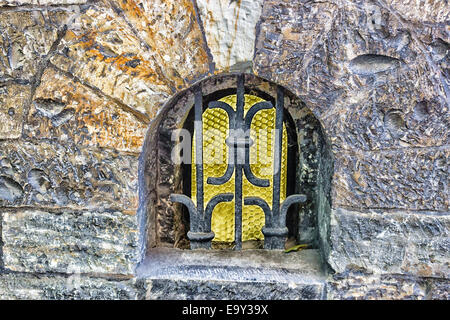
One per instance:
(165, 224)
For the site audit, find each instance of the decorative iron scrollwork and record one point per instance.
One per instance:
(239, 143)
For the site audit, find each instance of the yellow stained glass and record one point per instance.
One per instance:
(215, 158)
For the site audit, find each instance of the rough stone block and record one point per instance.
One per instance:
(69, 242)
(19, 286)
(415, 179)
(283, 53)
(405, 109)
(230, 29)
(440, 289)
(53, 175)
(73, 113)
(101, 49)
(385, 242)
(366, 75)
(428, 11)
(13, 3)
(360, 286)
(178, 289)
(171, 31)
(13, 99)
(301, 27)
(27, 37)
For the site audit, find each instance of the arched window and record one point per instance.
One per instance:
(238, 191)
(232, 132)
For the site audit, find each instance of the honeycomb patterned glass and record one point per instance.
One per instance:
(215, 159)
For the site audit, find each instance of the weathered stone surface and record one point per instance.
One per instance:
(303, 27)
(303, 264)
(102, 50)
(230, 28)
(405, 178)
(85, 242)
(281, 53)
(13, 100)
(179, 289)
(363, 73)
(313, 177)
(39, 2)
(54, 175)
(428, 11)
(70, 112)
(223, 274)
(27, 37)
(440, 290)
(401, 112)
(173, 35)
(385, 242)
(10, 190)
(357, 285)
(360, 286)
(15, 286)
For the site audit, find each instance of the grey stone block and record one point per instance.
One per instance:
(361, 286)
(67, 242)
(19, 286)
(363, 72)
(415, 179)
(385, 242)
(178, 289)
(65, 175)
(440, 290)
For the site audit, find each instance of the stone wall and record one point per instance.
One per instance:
(81, 82)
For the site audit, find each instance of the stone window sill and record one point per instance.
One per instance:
(226, 274)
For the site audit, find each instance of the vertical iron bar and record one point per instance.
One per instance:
(277, 152)
(238, 204)
(240, 102)
(198, 127)
(238, 154)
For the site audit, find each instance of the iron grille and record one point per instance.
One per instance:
(238, 142)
